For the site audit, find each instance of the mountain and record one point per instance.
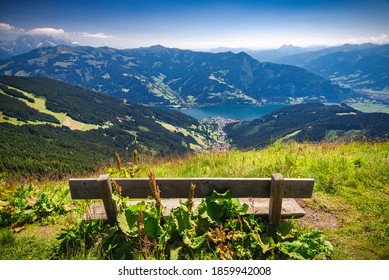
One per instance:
(269, 55)
(50, 123)
(226, 49)
(273, 55)
(25, 43)
(302, 58)
(165, 76)
(363, 68)
(309, 122)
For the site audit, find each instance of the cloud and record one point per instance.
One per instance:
(96, 35)
(36, 31)
(380, 39)
(9, 28)
(46, 31)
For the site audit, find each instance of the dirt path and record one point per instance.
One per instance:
(317, 218)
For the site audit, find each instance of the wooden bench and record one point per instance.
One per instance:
(272, 198)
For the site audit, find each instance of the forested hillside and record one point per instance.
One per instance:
(309, 122)
(52, 127)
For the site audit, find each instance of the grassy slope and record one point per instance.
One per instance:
(369, 107)
(39, 104)
(351, 185)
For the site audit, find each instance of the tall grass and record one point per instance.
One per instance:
(351, 181)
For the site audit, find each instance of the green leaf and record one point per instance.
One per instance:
(236, 208)
(175, 250)
(267, 244)
(215, 196)
(198, 241)
(152, 227)
(186, 239)
(128, 219)
(294, 250)
(285, 230)
(182, 219)
(127, 223)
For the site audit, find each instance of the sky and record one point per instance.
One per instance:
(199, 25)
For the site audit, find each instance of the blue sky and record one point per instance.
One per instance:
(200, 24)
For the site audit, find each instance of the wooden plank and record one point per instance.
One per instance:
(179, 187)
(106, 193)
(258, 206)
(276, 196)
(84, 188)
(87, 188)
(298, 187)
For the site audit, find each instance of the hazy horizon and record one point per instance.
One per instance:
(200, 25)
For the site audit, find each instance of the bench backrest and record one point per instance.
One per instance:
(88, 188)
(276, 188)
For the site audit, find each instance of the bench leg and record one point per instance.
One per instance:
(276, 195)
(106, 194)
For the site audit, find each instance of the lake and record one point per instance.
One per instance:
(240, 112)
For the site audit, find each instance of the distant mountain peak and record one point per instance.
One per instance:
(288, 46)
(157, 47)
(25, 43)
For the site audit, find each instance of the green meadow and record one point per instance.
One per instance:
(350, 204)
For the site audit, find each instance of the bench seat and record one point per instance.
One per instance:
(290, 208)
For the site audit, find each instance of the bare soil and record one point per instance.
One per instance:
(319, 219)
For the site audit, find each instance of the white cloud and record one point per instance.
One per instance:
(96, 35)
(382, 38)
(36, 31)
(46, 31)
(9, 28)
(379, 39)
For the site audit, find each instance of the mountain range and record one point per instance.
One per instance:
(303, 57)
(26, 43)
(270, 55)
(165, 76)
(364, 68)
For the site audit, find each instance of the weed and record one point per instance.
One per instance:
(130, 170)
(90, 240)
(25, 205)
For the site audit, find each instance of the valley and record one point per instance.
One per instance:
(221, 115)
(64, 129)
(227, 107)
